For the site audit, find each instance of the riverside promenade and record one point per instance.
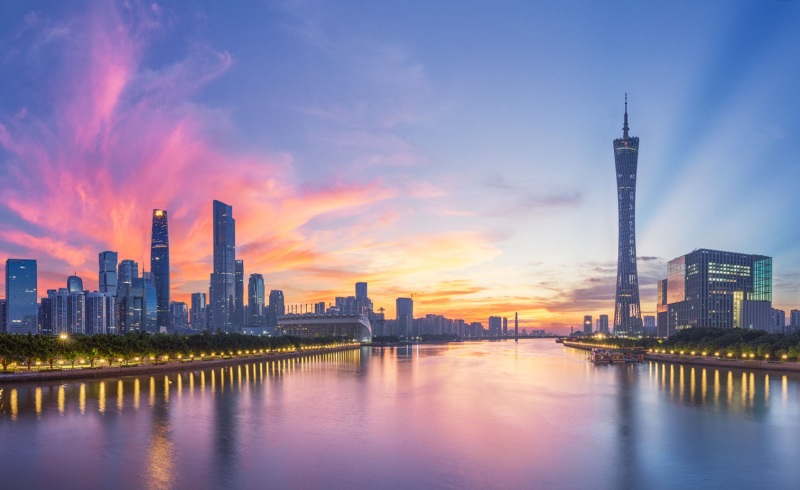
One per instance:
(706, 360)
(22, 376)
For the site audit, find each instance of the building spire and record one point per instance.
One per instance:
(625, 127)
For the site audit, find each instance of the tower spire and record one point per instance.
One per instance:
(625, 127)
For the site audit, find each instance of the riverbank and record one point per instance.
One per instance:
(709, 361)
(105, 372)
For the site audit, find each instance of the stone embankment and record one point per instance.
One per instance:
(111, 372)
(709, 361)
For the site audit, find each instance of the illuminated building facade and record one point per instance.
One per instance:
(223, 279)
(159, 265)
(22, 304)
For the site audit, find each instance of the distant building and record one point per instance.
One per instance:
(505, 327)
(603, 327)
(159, 265)
(650, 325)
(361, 290)
(239, 279)
(147, 283)
(22, 302)
(76, 312)
(794, 318)
(778, 320)
(223, 288)
(59, 316)
(198, 312)
(712, 288)
(127, 274)
(405, 316)
(255, 301)
(46, 317)
(476, 329)
(95, 309)
(74, 284)
(132, 310)
(2, 315)
(587, 324)
(107, 278)
(662, 316)
(319, 308)
(179, 314)
(276, 307)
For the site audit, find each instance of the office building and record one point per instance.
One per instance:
(148, 285)
(223, 279)
(587, 324)
(239, 293)
(778, 321)
(132, 310)
(2, 315)
(495, 326)
(712, 288)
(107, 280)
(198, 312)
(794, 318)
(110, 303)
(22, 302)
(319, 308)
(46, 317)
(405, 316)
(662, 317)
(159, 265)
(505, 327)
(255, 301)
(650, 325)
(627, 310)
(276, 307)
(179, 314)
(603, 324)
(127, 273)
(74, 284)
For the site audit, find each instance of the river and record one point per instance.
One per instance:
(532, 414)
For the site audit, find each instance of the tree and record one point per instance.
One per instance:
(9, 350)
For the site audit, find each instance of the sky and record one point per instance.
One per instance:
(459, 152)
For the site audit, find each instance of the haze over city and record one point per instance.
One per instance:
(468, 162)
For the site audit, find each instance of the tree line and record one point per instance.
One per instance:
(717, 342)
(27, 350)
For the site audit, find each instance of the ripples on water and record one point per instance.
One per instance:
(480, 415)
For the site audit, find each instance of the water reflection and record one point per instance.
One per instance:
(454, 416)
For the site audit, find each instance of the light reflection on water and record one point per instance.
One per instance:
(473, 415)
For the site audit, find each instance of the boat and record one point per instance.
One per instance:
(559, 341)
(599, 356)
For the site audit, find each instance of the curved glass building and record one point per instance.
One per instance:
(627, 311)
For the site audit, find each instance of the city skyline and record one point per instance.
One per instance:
(381, 180)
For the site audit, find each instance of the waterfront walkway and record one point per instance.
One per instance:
(20, 376)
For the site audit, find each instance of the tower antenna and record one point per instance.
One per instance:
(625, 127)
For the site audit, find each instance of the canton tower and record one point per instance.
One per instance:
(627, 312)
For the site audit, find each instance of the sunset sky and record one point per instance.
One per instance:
(459, 151)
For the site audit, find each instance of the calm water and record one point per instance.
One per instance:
(476, 415)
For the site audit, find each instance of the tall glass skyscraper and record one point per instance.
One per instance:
(22, 303)
(276, 309)
(239, 313)
(223, 279)
(107, 279)
(255, 300)
(127, 274)
(627, 311)
(405, 316)
(159, 264)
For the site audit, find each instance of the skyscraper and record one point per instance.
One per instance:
(108, 272)
(148, 286)
(22, 303)
(127, 274)
(662, 316)
(159, 265)
(223, 290)
(46, 317)
(276, 307)
(74, 284)
(255, 300)
(361, 290)
(603, 324)
(96, 321)
(627, 311)
(198, 312)
(76, 312)
(587, 324)
(405, 316)
(59, 316)
(239, 277)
